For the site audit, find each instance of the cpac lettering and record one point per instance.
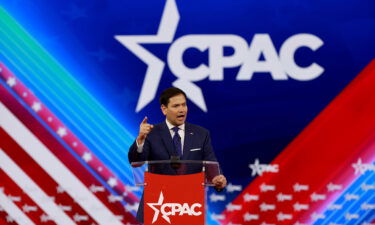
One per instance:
(171, 209)
(281, 66)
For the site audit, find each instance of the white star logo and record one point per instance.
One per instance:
(11, 81)
(358, 167)
(266, 207)
(165, 35)
(361, 168)
(255, 168)
(300, 187)
(87, 156)
(61, 131)
(157, 211)
(281, 216)
(112, 182)
(259, 169)
(37, 106)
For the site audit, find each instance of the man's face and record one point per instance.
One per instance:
(176, 110)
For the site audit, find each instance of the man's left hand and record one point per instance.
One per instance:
(219, 181)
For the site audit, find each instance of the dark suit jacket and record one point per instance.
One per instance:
(159, 146)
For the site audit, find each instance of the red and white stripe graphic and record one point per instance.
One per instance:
(63, 132)
(55, 179)
(13, 211)
(55, 169)
(34, 191)
(22, 200)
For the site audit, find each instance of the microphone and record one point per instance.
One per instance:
(175, 162)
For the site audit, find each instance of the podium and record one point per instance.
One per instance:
(174, 190)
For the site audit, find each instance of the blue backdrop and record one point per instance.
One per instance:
(248, 119)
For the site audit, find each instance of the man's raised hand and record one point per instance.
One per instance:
(144, 130)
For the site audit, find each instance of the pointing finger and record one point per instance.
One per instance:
(144, 121)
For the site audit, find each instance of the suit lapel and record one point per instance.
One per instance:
(189, 134)
(167, 139)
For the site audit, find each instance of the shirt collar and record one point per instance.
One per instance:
(170, 126)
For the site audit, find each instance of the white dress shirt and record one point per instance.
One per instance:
(181, 132)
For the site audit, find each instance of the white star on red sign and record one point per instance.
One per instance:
(159, 203)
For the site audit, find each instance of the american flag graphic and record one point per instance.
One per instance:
(47, 174)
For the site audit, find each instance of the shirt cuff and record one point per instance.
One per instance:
(139, 147)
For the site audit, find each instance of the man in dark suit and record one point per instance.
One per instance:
(173, 138)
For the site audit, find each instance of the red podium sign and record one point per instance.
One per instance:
(176, 200)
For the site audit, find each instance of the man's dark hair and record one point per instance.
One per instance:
(169, 93)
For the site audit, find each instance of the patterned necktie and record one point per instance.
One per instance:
(177, 141)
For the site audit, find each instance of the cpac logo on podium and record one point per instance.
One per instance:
(281, 65)
(174, 209)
